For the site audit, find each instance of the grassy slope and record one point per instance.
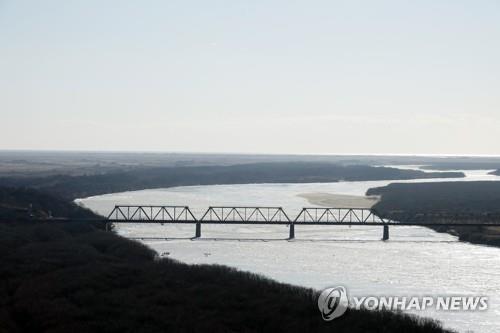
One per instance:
(74, 278)
(462, 202)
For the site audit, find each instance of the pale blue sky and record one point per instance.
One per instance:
(403, 77)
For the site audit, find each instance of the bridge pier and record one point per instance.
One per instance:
(292, 231)
(198, 230)
(385, 235)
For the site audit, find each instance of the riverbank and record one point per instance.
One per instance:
(74, 277)
(334, 262)
(74, 187)
(457, 202)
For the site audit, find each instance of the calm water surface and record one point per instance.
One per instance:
(415, 261)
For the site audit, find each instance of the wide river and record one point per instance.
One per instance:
(415, 261)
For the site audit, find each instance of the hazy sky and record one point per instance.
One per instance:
(400, 76)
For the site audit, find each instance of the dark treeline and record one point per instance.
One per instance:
(476, 198)
(463, 202)
(27, 203)
(472, 164)
(73, 277)
(72, 187)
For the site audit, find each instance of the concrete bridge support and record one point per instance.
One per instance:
(385, 235)
(198, 230)
(292, 231)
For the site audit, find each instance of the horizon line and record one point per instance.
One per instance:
(243, 153)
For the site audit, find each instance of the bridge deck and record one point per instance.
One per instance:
(266, 215)
(224, 215)
(366, 224)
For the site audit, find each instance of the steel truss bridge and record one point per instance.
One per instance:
(261, 216)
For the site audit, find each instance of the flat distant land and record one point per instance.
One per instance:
(146, 177)
(22, 163)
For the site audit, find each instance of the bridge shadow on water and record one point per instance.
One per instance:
(296, 240)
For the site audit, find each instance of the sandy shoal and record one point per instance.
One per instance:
(339, 200)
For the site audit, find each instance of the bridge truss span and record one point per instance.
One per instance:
(248, 215)
(150, 213)
(266, 215)
(320, 215)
